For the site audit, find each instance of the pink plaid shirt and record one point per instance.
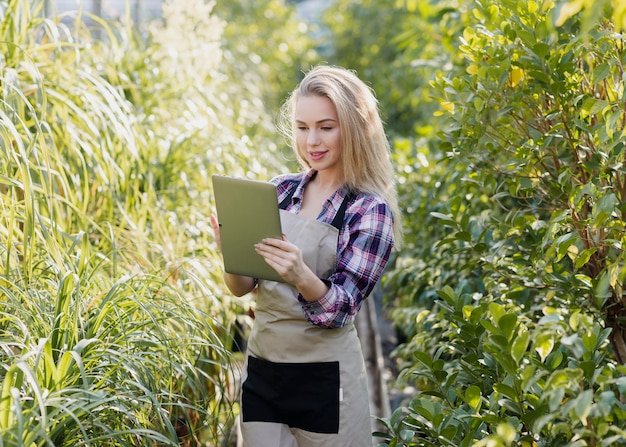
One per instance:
(363, 249)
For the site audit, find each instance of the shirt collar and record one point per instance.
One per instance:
(334, 200)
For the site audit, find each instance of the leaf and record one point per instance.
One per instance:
(550, 318)
(592, 107)
(530, 417)
(589, 341)
(444, 218)
(541, 49)
(568, 10)
(6, 398)
(582, 258)
(520, 345)
(433, 393)
(501, 341)
(497, 311)
(424, 358)
(516, 76)
(554, 360)
(565, 241)
(589, 368)
(556, 397)
(508, 323)
(489, 326)
(529, 375)
(506, 362)
(511, 406)
(449, 432)
(604, 208)
(506, 432)
(583, 405)
(601, 72)
(506, 391)
(473, 397)
(472, 69)
(440, 375)
(423, 408)
(544, 345)
(64, 369)
(406, 435)
(463, 236)
(575, 320)
(447, 106)
(447, 293)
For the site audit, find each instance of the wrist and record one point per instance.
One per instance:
(311, 288)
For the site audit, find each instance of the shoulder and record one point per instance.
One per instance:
(364, 203)
(370, 212)
(286, 184)
(287, 179)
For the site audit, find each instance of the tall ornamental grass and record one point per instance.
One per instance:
(113, 327)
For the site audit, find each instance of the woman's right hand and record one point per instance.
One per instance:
(238, 285)
(216, 231)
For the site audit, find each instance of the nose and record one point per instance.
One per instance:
(312, 139)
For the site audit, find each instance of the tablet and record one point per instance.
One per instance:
(247, 211)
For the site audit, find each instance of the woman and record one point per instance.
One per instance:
(304, 381)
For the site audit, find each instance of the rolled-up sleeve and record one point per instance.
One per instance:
(364, 248)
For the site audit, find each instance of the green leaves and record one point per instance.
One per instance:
(513, 273)
(113, 321)
(523, 373)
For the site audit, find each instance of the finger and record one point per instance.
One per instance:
(267, 250)
(216, 230)
(214, 222)
(276, 243)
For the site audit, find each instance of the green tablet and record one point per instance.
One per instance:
(247, 211)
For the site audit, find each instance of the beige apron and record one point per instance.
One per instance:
(303, 386)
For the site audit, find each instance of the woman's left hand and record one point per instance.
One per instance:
(284, 257)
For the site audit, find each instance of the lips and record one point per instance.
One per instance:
(318, 155)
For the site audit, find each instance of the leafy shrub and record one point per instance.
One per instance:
(512, 303)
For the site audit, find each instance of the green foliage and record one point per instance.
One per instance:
(397, 47)
(127, 368)
(538, 117)
(510, 289)
(499, 377)
(266, 47)
(114, 329)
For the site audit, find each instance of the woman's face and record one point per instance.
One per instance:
(318, 136)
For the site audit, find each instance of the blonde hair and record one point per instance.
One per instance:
(365, 150)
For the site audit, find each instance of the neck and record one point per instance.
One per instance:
(330, 181)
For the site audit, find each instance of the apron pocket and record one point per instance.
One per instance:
(301, 395)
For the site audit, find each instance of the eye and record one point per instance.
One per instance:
(327, 128)
(301, 128)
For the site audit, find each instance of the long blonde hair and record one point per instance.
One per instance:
(365, 150)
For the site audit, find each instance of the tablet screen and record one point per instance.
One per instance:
(247, 211)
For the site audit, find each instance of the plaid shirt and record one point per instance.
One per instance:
(363, 249)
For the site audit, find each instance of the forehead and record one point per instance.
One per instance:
(315, 108)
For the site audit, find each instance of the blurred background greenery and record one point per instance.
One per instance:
(507, 124)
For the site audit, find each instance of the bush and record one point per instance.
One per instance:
(513, 304)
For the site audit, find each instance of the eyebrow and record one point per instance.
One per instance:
(318, 122)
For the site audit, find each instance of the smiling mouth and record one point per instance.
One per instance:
(316, 155)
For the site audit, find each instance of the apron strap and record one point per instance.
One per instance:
(286, 200)
(341, 212)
